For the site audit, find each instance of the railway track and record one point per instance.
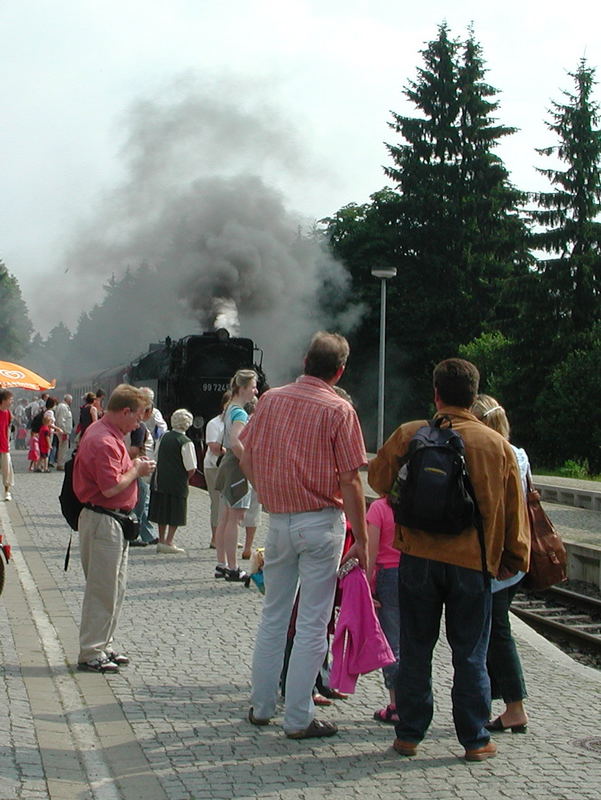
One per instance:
(562, 613)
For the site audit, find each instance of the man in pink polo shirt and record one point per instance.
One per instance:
(303, 448)
(105, 477)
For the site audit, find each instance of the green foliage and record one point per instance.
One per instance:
(492, 354)
(567, 413)
(575, 469)
(570, 232)
(451, 226)
(15, 324)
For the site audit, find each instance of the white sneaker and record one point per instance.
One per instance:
(7, 495)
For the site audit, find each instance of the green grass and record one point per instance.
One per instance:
(560, 473)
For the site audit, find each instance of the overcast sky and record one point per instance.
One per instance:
(330, 71)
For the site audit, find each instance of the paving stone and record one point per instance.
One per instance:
(185, 696)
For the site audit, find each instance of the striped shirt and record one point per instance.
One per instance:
(300, 438)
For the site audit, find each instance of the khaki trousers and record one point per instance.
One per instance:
(63, 450)
(104, 553)
(6, 466)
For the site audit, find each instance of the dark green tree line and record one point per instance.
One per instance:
(15, 325)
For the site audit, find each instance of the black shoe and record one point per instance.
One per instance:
(220, 571)
(256, 720)
(98, 665)
(236, 575)
(138, 543)
(497, 726)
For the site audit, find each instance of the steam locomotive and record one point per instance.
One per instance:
(191, 373)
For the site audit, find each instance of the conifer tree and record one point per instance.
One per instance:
(567, 215)
(15, 324)
(459, 212)
(461, 240)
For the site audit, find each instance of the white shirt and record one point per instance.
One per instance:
(64, 417)
(213, 433)
(156, 424)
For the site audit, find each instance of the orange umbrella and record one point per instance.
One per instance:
(13, 376)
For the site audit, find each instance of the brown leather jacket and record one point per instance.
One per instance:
(495, 477)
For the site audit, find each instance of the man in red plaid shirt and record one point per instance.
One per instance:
(302, 451)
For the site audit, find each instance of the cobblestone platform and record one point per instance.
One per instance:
(172, 725)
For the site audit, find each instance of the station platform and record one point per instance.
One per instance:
(173, 724)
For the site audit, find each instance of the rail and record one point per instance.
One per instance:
(564, 613)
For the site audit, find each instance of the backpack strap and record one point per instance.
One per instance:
(478, 521)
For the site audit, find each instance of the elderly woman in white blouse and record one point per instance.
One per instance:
(176, 463)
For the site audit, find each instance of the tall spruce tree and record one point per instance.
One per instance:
(461, 237)
(15, 324)
(451, 224)
(571, 234)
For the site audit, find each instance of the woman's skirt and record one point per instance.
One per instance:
(167, 509)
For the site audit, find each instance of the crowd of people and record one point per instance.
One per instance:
(297, 453)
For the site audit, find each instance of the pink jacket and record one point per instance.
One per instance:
(359, 645)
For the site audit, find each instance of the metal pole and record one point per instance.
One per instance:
(380, 439)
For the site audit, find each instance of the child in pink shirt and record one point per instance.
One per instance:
(33, 456)
(382, 574)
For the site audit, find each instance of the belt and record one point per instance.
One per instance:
(103, 510)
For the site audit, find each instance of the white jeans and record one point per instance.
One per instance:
(8, 476)
(104, 553)
(305, 548)
(63, 450)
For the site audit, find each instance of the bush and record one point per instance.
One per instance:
(575, 469)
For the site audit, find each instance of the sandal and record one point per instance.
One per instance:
(334, 694)
(387, 714)
(316, 729)
(320, 700)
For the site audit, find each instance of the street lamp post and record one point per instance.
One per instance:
(383, 274)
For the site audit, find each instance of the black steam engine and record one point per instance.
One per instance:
(194, 372)
(191, 373)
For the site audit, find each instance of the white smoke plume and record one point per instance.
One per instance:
(198, 207)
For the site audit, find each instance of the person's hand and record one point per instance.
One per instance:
(505, 573)
(144, 466)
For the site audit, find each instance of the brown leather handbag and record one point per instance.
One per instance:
(548, 557)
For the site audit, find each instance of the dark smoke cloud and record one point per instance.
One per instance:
(198, 204)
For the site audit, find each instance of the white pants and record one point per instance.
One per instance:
(63, 450)
(8, 476)
(103, 552)
(303, 547)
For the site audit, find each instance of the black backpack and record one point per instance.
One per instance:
(70, 504)
(432, 490)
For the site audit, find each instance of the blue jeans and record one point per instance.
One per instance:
(387, 592)
(300, 548)
(425, 587)
(147, 533)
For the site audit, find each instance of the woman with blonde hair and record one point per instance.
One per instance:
(176, 463)
(235, 491)
(503, 662)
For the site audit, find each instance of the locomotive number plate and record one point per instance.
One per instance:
(214, 386)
